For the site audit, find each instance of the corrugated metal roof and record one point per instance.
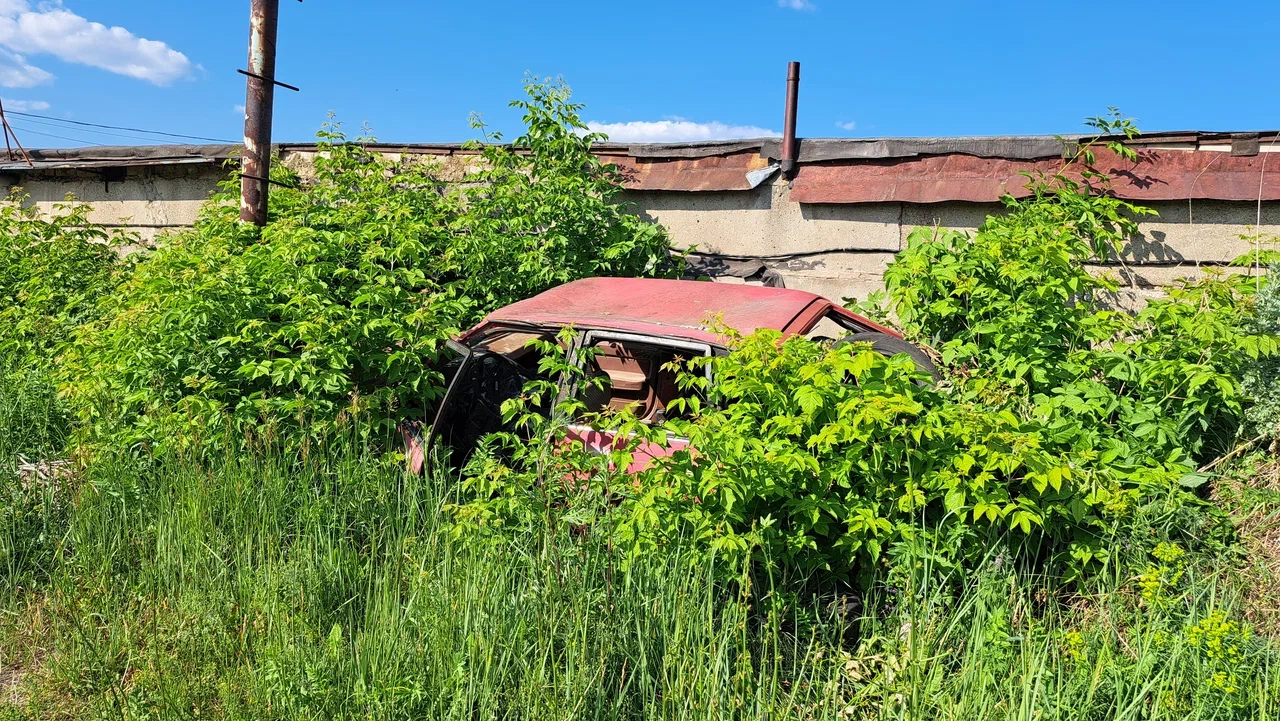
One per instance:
(811, 149)
(1159, 175)
(839, 170)
(116, 156)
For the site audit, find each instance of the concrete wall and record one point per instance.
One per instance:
(147, 201)
(835, 250)
(842, 250)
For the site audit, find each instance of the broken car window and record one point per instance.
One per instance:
(635, 378)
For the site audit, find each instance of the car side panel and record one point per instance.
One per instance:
(602, 442)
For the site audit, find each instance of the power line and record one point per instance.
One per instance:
(53, 136)
(118, 127)
(86, 130)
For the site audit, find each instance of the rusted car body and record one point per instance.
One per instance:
(633, 327)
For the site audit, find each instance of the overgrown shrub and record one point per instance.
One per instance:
(342, 302)
(1025, 322)
(1019, 308)
(1261, 380)
(1063, 421)
(827, 458)
(54, 267)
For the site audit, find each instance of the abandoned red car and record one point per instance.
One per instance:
(634, 327)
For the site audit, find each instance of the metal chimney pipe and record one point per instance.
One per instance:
(259, 95)
(789, 146)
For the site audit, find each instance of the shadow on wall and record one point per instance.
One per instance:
(808, 241)
(1150, 247)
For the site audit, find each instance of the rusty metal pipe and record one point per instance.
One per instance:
(789, 145)
(259, 97)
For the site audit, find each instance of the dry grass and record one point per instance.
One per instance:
(28, 687)
(1257, 494)
(11, 692)
(22, 654)
(1262, 592)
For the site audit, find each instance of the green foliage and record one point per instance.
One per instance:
(1222, 646)
(1261, 380)
(1016, 309)
(837, 458)
(1020, 306)
(54, 267)
(1025, 323)
(317, 580)
(544, 210)
(342, 303)
(1064, 422)
(268, 586)
(535, 474)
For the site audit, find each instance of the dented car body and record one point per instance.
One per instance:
(633, 328)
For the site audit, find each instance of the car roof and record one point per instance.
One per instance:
(674, 308)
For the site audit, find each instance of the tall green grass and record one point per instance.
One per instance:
(33, 422)
(330, 585)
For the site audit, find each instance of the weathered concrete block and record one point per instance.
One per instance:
(1201, 230)
(957, 216)
(763, 222)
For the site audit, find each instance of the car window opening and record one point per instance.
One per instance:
(830, 327)
(514, 345)
(635, 376)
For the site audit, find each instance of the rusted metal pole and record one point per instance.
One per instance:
(8, 132)
(259, 95)
(8, 149)
(788, 159)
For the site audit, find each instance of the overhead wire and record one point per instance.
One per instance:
(51, 135)
(119, 127)
(86, 130)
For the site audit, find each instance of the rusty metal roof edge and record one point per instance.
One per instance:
(1014, 147)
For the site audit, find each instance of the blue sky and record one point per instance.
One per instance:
(653, 70)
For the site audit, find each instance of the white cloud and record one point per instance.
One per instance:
(847, 126)
(25, 106)
(16, 72)
(676, 130)
(50, 29)
(238, 109)
(796, 4)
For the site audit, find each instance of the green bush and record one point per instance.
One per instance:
(1137, 400)
(1261, 381)
(1062, 424)
(826, 458)
(342, 302)
(54, 267)
(1017, 308)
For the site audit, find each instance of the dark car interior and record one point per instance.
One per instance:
(628, 373)
(498, 369)
(635, 378)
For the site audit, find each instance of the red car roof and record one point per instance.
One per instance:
(679, 308)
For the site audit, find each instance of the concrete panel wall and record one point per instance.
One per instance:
(147, 201)
(842, 250)
(836, 250)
